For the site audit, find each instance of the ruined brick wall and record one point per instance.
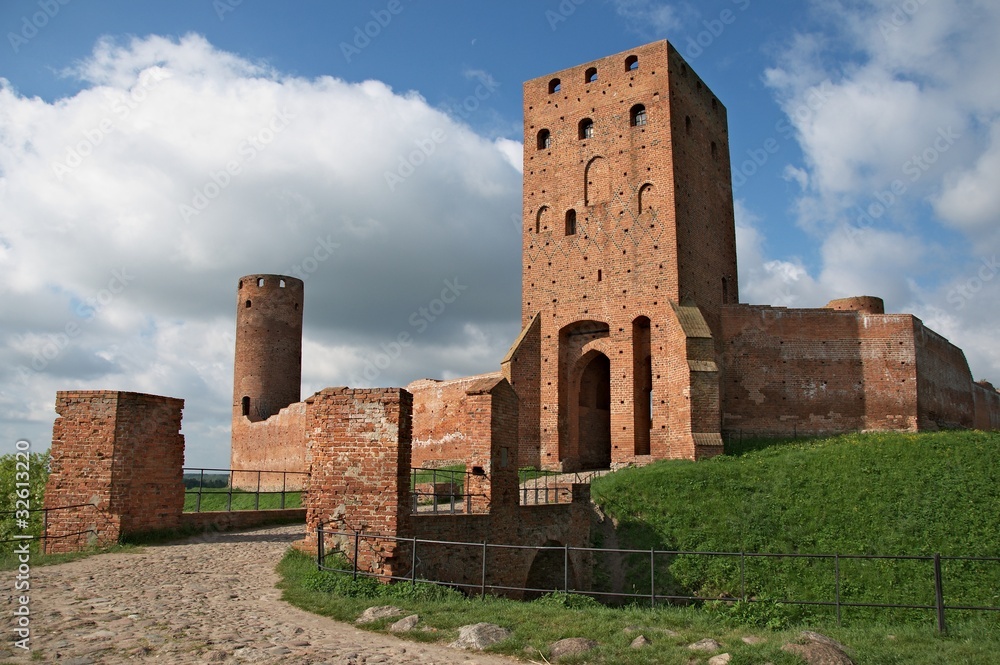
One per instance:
(987, 404)
(889, 371)
(275, 444)
(791, 371)
(441, 424)
(945, 387)
(359, 451)
(124, 453)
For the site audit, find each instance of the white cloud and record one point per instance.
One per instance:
(897, 113)
(649, 18)
(372, 195)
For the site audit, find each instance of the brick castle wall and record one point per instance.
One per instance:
(275, 444)
(123, 453)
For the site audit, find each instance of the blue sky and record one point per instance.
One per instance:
(153, 152)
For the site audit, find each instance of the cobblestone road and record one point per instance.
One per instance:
(196, 602)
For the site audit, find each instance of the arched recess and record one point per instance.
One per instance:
(597, 182)
(548, 571)
(594, 413)
(642, 386)
(646, 198)
(542, 220)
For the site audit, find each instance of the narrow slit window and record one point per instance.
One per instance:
(571, 222)
(245, 405)
(590, 75)
(544, 139)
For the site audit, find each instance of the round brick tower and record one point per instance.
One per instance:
(268, 370)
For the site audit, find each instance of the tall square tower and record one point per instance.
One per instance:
(628, 253)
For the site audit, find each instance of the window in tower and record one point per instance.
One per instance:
(637, 115)
(544, 139)
(571, 222)
(245, 405)
(590, 75)
(586, 128)
(687, 124)
(555, 85)
(631, 63)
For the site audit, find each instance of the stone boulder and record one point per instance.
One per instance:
(707, 644)
(373, 614)
(571, 646)
(405, 624)
(819, 650)
(478, 636)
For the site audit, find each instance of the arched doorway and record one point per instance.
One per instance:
(548, 571)
(594, 415)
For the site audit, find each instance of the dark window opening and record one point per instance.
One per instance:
(590, 75)
(247, 304)
(260, 281)
(586, 128)
(571, 222)
(555, 85)
(544, 139)
(715, 151)
(687, 124)
(245, 404)
(631, 63)
(637, 116)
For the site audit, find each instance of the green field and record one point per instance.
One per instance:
(220, 498)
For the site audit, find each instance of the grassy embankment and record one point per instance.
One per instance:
(856, 494)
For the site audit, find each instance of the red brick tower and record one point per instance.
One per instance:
(628, 252)
(267, 374)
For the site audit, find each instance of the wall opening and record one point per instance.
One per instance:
(595, 414)
(544, 139)
(586, 129)
(247, 304)
(642, 387)
(590, 75)
(597, 182)
(637, 115)
(571, 222)
(646, 198)
(541, 219)
(631, 63)
(260, 281)
(245, 405)
(547, 572)
(555, 85)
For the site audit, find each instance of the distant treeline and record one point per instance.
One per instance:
(208, 481)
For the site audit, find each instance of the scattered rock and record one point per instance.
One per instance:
(478, 636)
(721, 659)
(571, 646)
(819, 650)
(405, 624)
(640, 642)
(707, 644)
(753, 639)
(378, 612)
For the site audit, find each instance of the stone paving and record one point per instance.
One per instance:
(205, 600)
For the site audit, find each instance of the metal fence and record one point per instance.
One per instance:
(442, 491)
(247, 485)
(934, 562)
(93, 533)
(543, 487)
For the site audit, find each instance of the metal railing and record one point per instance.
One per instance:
(484, 585)
(442, 491)
(287, 485)
(538, 486)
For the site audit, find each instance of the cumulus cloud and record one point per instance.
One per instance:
(897, 114)
(649, 18)
(132, 207)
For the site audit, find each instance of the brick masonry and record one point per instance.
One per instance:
(121, 452)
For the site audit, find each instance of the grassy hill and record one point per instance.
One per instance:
(887, 494)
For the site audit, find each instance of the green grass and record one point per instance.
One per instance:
(853, 494)
(218, 499)
(671, 629)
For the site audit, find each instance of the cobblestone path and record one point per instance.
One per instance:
(196, 602)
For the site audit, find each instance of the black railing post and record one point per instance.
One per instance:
(357, 544)
(283, 485)
(229, 498)
(201, 483)
(482, 580)
(413, 563)
(743, 577)
(652, 577)
(320, 549)
(256, 496)
(939, 595)
(566, 569)
(45, 530)
(836, 573)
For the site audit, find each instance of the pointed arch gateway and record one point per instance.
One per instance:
(594, 412)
